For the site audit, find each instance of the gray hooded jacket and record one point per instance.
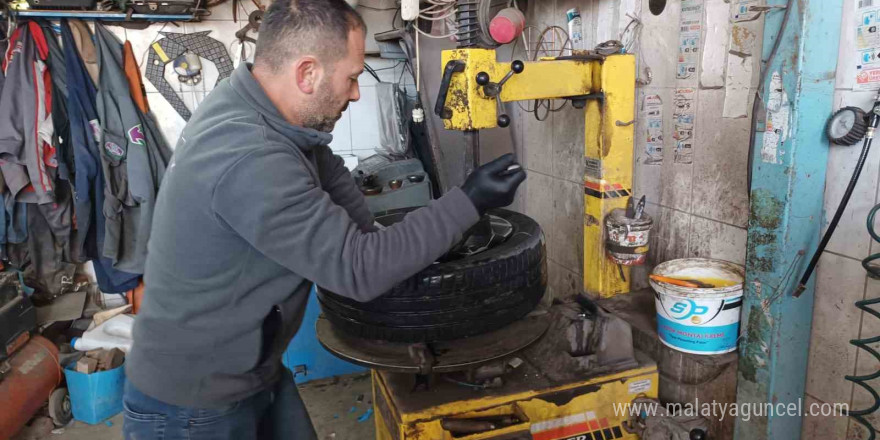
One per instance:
(252, 210)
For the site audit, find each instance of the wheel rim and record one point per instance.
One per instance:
(476, 241)
(498, 232)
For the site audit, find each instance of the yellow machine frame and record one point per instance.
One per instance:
(608, 88)
(583, 409)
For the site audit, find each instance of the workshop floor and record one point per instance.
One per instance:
(338, 407)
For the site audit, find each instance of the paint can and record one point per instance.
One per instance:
(699, 320)
(626, 239)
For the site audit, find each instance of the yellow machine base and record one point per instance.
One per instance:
(541, 406)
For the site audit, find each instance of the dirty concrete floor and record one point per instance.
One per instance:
(332, 404)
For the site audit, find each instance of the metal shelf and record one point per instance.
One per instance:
(99, 15)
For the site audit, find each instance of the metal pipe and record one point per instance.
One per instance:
(472, 151)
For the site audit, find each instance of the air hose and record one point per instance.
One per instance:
(847, 127)
(865, 343)
(874, 121)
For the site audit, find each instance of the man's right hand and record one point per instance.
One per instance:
(494, 185)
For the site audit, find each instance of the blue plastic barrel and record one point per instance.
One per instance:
(95, 397)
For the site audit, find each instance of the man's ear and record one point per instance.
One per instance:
(307, 71)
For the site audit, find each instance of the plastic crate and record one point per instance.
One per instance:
(95, 397)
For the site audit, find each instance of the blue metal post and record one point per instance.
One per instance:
(786, 213)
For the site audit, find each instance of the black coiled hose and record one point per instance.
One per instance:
(865, 343)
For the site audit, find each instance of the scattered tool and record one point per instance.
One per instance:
(253, 25)
(640, 208)
(511, 169)
(683, 282)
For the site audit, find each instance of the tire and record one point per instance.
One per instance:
(454, 299)
(59, 407)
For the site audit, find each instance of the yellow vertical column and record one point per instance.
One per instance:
(609, 169)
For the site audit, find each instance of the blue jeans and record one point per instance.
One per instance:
(276, 413)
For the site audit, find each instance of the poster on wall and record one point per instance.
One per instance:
(689, 38)
(652, 108)
(867, 44)
(778, 119)
(742, 11)
(684, 116)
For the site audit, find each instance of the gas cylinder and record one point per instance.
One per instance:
(34, 373)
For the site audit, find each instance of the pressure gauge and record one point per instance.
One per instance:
(848, 126)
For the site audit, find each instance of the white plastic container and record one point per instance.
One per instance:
(699, 320)
(575, 28)
(115, 333)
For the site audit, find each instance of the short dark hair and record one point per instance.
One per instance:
(298, 27)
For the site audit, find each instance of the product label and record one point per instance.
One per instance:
(867, 44)
(652, 110)
(640, 386)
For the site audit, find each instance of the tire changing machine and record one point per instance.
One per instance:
(562, 372)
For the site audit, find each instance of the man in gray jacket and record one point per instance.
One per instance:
(254, 208)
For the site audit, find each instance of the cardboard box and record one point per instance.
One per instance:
(86, 365)
(110, 359)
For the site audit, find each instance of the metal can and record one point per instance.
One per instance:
(627, 239)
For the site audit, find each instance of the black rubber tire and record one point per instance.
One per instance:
(454, 299)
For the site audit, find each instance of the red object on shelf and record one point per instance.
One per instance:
(34, 373)
(507, 25)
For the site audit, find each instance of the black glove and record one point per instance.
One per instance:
(494, 185)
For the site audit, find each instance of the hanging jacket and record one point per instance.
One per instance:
(60, 119)
(133, 159)
(13, 221)
(89, 183)
(27, 157)
(85, 47)
(135, 82)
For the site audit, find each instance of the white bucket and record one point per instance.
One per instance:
(699, 320)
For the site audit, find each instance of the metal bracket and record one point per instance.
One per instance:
(580, 101)
(422, 354)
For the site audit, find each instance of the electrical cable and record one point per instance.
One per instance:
(418, 66)
(759, 93)
(439, 18)
(372, 72)
(394, 19)
(449, 35)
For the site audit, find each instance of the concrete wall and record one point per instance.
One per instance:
(840, 279)
(700, 208)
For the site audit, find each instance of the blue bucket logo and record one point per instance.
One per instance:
(686, 309)
(698, 325)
